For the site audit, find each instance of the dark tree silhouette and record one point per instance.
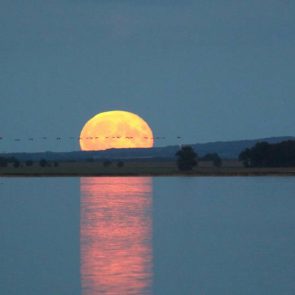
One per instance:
(120, 164)
(43, 163)
(29, 163)
(264, 154)
(89, 160)
(16, 163)
(214, 157)
(187, 158)
(107, 163)
(3, 162)
(245, 157)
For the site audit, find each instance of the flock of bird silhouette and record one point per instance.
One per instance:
(80, 138)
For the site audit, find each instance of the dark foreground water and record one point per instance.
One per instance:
(158, 236)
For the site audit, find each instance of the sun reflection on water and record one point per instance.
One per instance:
(116, 255)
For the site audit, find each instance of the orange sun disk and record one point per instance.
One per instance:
(115, 129)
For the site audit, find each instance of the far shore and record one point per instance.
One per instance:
(137, 168)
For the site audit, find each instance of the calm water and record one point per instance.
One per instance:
(155, 236)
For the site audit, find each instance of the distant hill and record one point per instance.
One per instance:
(225, 149)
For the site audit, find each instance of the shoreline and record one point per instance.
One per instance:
(87, 171)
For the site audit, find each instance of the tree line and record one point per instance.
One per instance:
(16, 163)
(264, 154)
(187, 158)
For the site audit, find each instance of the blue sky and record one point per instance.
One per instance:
(204, 70)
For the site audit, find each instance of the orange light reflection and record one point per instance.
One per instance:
(116, 225)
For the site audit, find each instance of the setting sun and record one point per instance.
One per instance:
(115, 129)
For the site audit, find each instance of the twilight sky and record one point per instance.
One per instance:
(203, 70)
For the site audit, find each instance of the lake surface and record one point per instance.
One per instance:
(142, 235)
